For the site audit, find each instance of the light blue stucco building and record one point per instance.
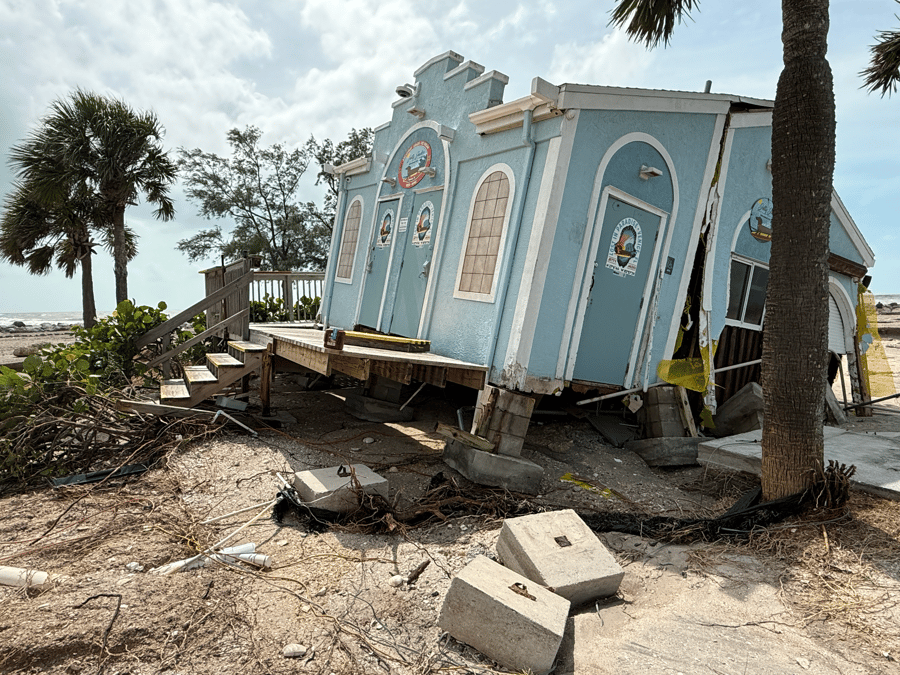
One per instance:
(574, 237)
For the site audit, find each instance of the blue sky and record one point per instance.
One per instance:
(297, 68)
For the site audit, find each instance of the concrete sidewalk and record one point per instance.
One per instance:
(876, 457)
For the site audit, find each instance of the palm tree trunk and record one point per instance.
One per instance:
(120, 255)
(88, 308)
(795, 339)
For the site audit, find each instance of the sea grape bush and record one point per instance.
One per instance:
(273, 309)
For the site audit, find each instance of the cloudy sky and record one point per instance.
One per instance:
(297, 68)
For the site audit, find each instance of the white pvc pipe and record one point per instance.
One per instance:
(24, 578)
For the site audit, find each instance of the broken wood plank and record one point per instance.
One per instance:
(149, 408)
(464, 437)
(687, 416)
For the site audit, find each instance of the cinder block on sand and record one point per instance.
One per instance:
(487, 468)
(505, 616)
(558, 550)
(332, 488)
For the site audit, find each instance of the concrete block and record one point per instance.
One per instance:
(505, 616)
(741, 413)
(486, 468)
(558, 550)
(332, 488)
(677, 451)
(373, 410)
(661, 413)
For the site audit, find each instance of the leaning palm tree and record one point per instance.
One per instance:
(803, 148)
(37, 233)
(107, 149)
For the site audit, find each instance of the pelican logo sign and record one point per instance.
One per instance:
(386, 230)
(625, 247)
(416, 158)
(422, 233)
(761, 220)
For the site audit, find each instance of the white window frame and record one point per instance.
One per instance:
(337, 267)
(498, 265)
(740, 323)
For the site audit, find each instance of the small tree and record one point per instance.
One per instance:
(36, 234)
(99, 146)
(258, 188)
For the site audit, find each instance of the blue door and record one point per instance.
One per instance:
(379, 260)
(417, 238)
(616, 304)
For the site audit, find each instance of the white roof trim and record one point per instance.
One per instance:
(381, 126)
(489, 75)
(590, 97)
(354, 166)
(746, 120)
(542, 100)
(853, 232)
(440, 57)
(463, 67)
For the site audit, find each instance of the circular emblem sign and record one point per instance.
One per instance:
(625, 247)
(761, 220)
(416, 158)
(422, 234)
(385, 230)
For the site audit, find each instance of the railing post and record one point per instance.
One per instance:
(245, 322)
(287, 291)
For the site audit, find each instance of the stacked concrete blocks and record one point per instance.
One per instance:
(333, 488)
(502, 417)
(558, 550)
(505, 616)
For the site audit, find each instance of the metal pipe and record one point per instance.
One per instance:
(225, 414)
(618, 393)
(409, 400)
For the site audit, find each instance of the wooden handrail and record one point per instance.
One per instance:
(172, 324)
(184, 346)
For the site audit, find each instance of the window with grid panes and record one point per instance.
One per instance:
(487, 221)
(348, 240)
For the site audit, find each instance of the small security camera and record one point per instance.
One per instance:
(405, 90)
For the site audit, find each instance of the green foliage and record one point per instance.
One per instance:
(258, 189)
(274, 309)
(64, 381)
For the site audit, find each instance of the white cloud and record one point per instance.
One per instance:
(613, 60)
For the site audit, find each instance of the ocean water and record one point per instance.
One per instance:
(38, 318)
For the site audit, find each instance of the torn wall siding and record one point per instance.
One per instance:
(553, 237)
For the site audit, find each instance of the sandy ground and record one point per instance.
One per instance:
(813, 595)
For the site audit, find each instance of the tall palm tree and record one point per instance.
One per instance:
(107, 149)
(35, 234)
(803, 146)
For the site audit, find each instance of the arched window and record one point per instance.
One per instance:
(486, 231)
(348, 241)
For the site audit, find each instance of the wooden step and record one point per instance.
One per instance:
(197, 376)
(242, 347)
(174, 391)
(216, 363)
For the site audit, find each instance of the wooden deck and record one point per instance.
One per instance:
(305, 346)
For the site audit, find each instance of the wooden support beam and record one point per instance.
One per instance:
(308, 358)
(358, 368)
(265, 381)
(160, 409)
(393, 370)
(434, 375)
(473, 379)
(464, 437)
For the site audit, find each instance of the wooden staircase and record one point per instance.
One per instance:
(221, 370)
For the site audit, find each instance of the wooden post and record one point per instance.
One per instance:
(287, 292)
(265, 381)
(863, 411)
(167, 364)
